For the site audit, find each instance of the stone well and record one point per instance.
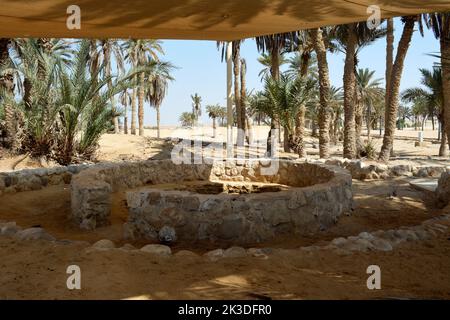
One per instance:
(225, 201)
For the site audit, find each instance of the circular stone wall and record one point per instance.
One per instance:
(301, 198)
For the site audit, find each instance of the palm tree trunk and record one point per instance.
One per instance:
(275, 73)
(349, 94)
(306, 56)
(141, 103)
(125, 117)
(314, 128)
(107, 57)
(299, 130)
(358, 122)
(336, 128)
(158, 121)
(133, 112)
(243, 115)
(324, 82)
(214, 127)
(389, 65)
(443, 149)
(286, 139)
(237, 93)
(396, 76)
(299, 143)
(445, 58)
(249, 129)
(381, 125)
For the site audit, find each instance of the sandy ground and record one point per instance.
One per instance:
(37, 270)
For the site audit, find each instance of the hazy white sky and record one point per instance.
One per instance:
(201, 70)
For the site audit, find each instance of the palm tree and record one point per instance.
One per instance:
(350, 39)
(282, 99)
(336, 105)
(238, 77)
(440, 24)
(369, 91)
(389, 64)
(125, 100)
(266, 60)
(7, 92)
(300, 66)
(158, 82)
(196, 107)
(69, 108)
(429, 100)
(187, 119)
(240, 115)
(394, 90)
(111, 48)
(275, 45)
(214, 112)
(324, 89)
(139, 52)
(244, 121)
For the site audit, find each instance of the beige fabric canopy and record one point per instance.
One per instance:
(192, 19)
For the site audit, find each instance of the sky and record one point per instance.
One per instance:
(201, 71)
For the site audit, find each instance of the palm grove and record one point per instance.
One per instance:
(58, 97)
(303, 92)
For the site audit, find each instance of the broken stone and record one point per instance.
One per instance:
(235, 252)
(214, 255)
(381, 245)
(157, 249)
(186, 254)
(104, 244)
(34, 234)
(167, 235)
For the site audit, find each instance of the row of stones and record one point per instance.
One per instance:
(12, 230)
(284, 172)
(376, 241)
(386, 240)
(443, 190)
(35, 179)
(361, 171)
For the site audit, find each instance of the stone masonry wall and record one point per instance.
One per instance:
(35, 179)
(245, 218)
(443, 189)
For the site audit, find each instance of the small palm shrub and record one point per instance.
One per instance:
(369, 150)
(65, 108)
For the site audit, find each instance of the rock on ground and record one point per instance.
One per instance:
(34, 234)
(104, 244)
(167, 235)
(157, 249)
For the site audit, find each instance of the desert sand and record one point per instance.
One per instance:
(37, 269)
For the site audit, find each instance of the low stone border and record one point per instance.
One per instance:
(443, 190)
(381, 240)
(362, 171)
(35, 179)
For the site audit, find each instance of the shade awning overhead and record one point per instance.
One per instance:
(192, 19)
